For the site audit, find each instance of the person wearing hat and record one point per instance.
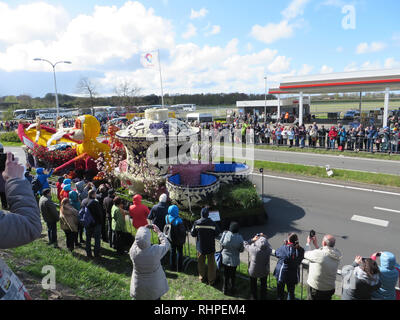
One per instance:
(205, 230)
(50, 215)
(158, 212)
(388, 276)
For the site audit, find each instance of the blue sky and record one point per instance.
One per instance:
(205, 46)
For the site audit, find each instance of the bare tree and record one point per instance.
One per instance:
(86, 86)
(127, 92)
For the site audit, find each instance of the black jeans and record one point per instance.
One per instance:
(263, 288)
(70, 237)
(52, 232)
(229, 276)
(110, 231)
(96, 233)
(176, 252)
(280, 288)
(314, 294)
(79, 235)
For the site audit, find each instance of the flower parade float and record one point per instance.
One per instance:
(65, 148)
(190, 184)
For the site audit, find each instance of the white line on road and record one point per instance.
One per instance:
(378, 222)
(385, 209)
(329, 184)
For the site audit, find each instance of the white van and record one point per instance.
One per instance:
(200, 117)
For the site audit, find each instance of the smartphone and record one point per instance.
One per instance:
(3, 159)
(149, 226)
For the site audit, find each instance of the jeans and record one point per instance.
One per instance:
(314, 294)
(176, 252)
(70, 237)
(302, 142)
(332, 144)
(229, 276)
(96, 233)
(281, 290)
(263, 288)
(52, 232)
(110, 232)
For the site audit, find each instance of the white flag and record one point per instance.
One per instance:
(148, 59)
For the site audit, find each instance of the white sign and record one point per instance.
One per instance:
(214, 216)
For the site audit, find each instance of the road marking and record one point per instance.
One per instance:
(329, 184)
(378, 222)
(385, 209)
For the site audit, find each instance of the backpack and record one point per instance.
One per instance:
(36, 185)
(85, 217)
(175, 234)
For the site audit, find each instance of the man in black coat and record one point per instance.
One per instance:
(101, 194)
(206, 231)
(107, 205)
(96, 210)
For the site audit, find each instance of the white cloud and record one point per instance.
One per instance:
(295, 8)
(351, 67)
(326, 69)
(283, 29)
(272, 32)
(364, 47)
(215, 30)
(392, 63)
(280, 64)
(339, 49)
(31, 21)
(198, 14)
(190, 32)
(89, 40)
(305, 69)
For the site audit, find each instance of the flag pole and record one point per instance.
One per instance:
(159, 67)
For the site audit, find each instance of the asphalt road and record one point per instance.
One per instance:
(300, 206)
(313, 159)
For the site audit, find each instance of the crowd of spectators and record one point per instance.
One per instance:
(340, 137)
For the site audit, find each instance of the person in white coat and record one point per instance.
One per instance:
(148, 278)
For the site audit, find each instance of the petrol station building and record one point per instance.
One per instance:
(384, 80)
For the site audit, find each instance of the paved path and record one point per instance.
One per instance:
(314, 159)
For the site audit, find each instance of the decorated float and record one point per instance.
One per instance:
(66, 148)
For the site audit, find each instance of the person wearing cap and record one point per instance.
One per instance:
(205, 230)
(388, 276)
(42, 176)
(158, 212)
(50, 215)
(107, 205)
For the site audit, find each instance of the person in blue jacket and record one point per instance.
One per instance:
(178, 234)
(388, 276)
(287, 270)
(42, 177)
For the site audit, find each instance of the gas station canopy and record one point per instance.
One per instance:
(357, 81)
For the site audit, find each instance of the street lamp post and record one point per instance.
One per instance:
(265, 98)
(55, 81)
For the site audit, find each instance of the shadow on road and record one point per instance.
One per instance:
(281, 216)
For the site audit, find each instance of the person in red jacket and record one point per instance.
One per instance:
(138, 212)
(332, 137)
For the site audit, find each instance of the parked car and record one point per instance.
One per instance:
(351, 114)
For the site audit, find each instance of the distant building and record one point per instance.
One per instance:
(290, 105)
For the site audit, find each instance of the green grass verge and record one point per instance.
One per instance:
(382, 156)
(11, 144)
(339, 174)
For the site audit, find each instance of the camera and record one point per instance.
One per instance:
(149, 226)
(312, 233)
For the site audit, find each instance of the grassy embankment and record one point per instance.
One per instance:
(108, 277)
